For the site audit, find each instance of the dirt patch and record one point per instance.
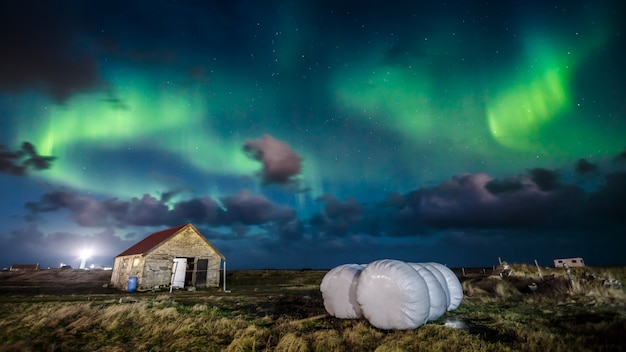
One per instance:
(58, 282)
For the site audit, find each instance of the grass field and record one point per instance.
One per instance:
(282, 310)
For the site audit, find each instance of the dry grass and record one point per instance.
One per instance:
(499, 314)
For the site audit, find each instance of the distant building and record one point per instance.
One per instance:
(24, 267)
(179, 256)
(570, 262)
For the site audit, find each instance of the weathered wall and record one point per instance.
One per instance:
(157, 270)
(126, 267)
(186, 243)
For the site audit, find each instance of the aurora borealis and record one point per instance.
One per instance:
(314, 133)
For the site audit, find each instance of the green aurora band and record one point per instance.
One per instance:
(529, 112)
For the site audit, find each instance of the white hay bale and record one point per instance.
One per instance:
(454, 285)
(393, 295)
(441, 279)
(438, 298)
(339, 291)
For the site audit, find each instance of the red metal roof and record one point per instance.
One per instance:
(151, 241)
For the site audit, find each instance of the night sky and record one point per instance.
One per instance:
(308, 134)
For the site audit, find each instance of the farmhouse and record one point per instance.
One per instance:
(179, 256)
(570, 262)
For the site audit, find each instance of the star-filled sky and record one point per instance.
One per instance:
(308, 134)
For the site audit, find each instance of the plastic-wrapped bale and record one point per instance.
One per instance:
(454, 285)
(441, 279)
(339, 291)
(393, 295)
(438, 298)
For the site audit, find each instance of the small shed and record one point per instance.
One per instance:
(179, 256)
(569, 262)
(24, 267)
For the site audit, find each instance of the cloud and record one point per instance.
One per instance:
(516, 208)
(545, 179)
(396, 200)
(242, 208)
(144, 211)
(607, 203)
(86, 211)
(473, 201)
(337, 218)
(43, 52)
(584, 167)
(201, 210)
(621, 157)
(280, 162)
(253, 210)
(510, 185)
(18, 162)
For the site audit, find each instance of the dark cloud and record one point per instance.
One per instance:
(144, 211)
(545, 179)
(469, 201)
(396, 200)
(85, 211)
(509, 185)
(280, 163)
(201, 210)
(149, 211)
(463, 208)
(43, 51)
(337, 217)
(621, 157)
(584, 167)
(253, 210)
(288, 231)
(18, 162)
(609, 202)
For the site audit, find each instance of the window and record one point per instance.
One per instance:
(125, 263)
(560, 261)
(573, 260)
(135, 262)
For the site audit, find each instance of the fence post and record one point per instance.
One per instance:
(538, 269)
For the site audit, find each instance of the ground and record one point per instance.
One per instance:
(586, 309)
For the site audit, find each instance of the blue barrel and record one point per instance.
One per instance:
(132, 284)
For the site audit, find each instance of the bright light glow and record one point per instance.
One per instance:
(84, 255)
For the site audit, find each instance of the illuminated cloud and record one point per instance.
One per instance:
(280, 163)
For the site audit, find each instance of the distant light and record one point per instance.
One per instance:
(84, 255)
